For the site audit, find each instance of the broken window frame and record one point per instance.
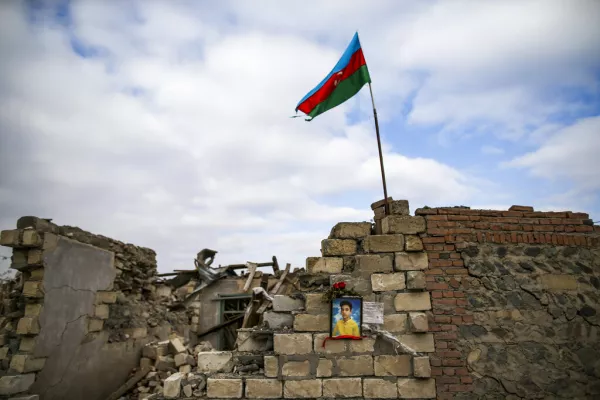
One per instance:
(239, 309)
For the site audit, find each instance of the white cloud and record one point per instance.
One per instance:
(571, 154)
(491, 150)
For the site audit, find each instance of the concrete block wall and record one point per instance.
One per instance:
(84, 307)
(388, 268)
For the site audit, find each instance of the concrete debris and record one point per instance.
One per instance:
(173, 370)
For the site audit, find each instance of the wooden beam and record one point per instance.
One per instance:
(252, 271)
(220, 326)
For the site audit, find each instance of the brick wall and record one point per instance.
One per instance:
(456, 239)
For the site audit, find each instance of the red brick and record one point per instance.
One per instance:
(458, 263)
(560, 239)
(448, 379)
(449, 371)
(460, 245)
(452, 362)
(444, 302)
(433, 255)
(448, 294)
(443, 394)
(584, 228)
(452, 354)
(455, 256)
(535, 214)
(437, 286)
(436, 371)
(462, 371)
(491, 213)
(559, 228)
(445, 336)
(458, 294)
(457, 271)
(454, 283)
(437, 231)
(432, 240)
(460, 311)
(437, 218)
(578, 215)
(462, 302)
(449, 247)
(436, 295)
(458, 217)
(512, 214)
(435, 362)
(435, 328)
(461, 388)
(457, 320)
(440, 263)
(430, 278)
(434, 271)
(442, 319)
(441, 345)
(449, 328)
(468, 318)
(521, 208)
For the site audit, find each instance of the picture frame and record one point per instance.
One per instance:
(350, 307)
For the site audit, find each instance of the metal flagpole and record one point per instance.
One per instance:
(387, 206)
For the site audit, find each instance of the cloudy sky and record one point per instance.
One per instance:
(167, 123)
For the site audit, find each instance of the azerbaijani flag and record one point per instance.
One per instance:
(345, 80)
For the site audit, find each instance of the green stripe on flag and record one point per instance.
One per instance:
(344, 90)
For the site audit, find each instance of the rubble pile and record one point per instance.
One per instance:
(174, 369)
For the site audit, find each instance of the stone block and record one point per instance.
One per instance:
(163, 291)
(287, 303)
(415, 280)
(383, 244)
(164, 363)
(9, 238)
(34, 257)
(136, 333)
(411, 261)
(33, 310)
(176, 346)
(388, 282)
(23, 363)
(366, 345)
(325, 265)
(296, 368)
(379, 389)
(399, 207)
(28, 326)
(224, 388)
(33, 289)
(418, 322)
(419, 301)
(180, 359)
(338, 247)
(36, 274)
(146, 363)
(350, 230)
(422, 367)
(263, 388)
(392, 365)
(324, 368)
(413, 243)
(214, 361)
(293, 343)
(246, 342)
(416, 388)
(106, 297)
(155, 351)
(31, 238)
(13, 384)
(271, 366)
(404, 224)
(101, 311)
(304, 389)
(315, 305)
(172, 386)
(27, 344)
(311, 323)
(558, 282)
(355, 366)
(276, 320)
(331, 346)
(4, 353)
(185, 369)
(420, 342)
(395, 323)
(340, 388)
(373, 263)
(95, 324)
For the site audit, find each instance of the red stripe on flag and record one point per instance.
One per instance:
(356, 61)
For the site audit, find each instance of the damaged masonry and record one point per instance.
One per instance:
(89, 317)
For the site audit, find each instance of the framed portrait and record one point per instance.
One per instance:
(346, 316)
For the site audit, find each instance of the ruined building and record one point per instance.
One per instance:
(477, 304)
